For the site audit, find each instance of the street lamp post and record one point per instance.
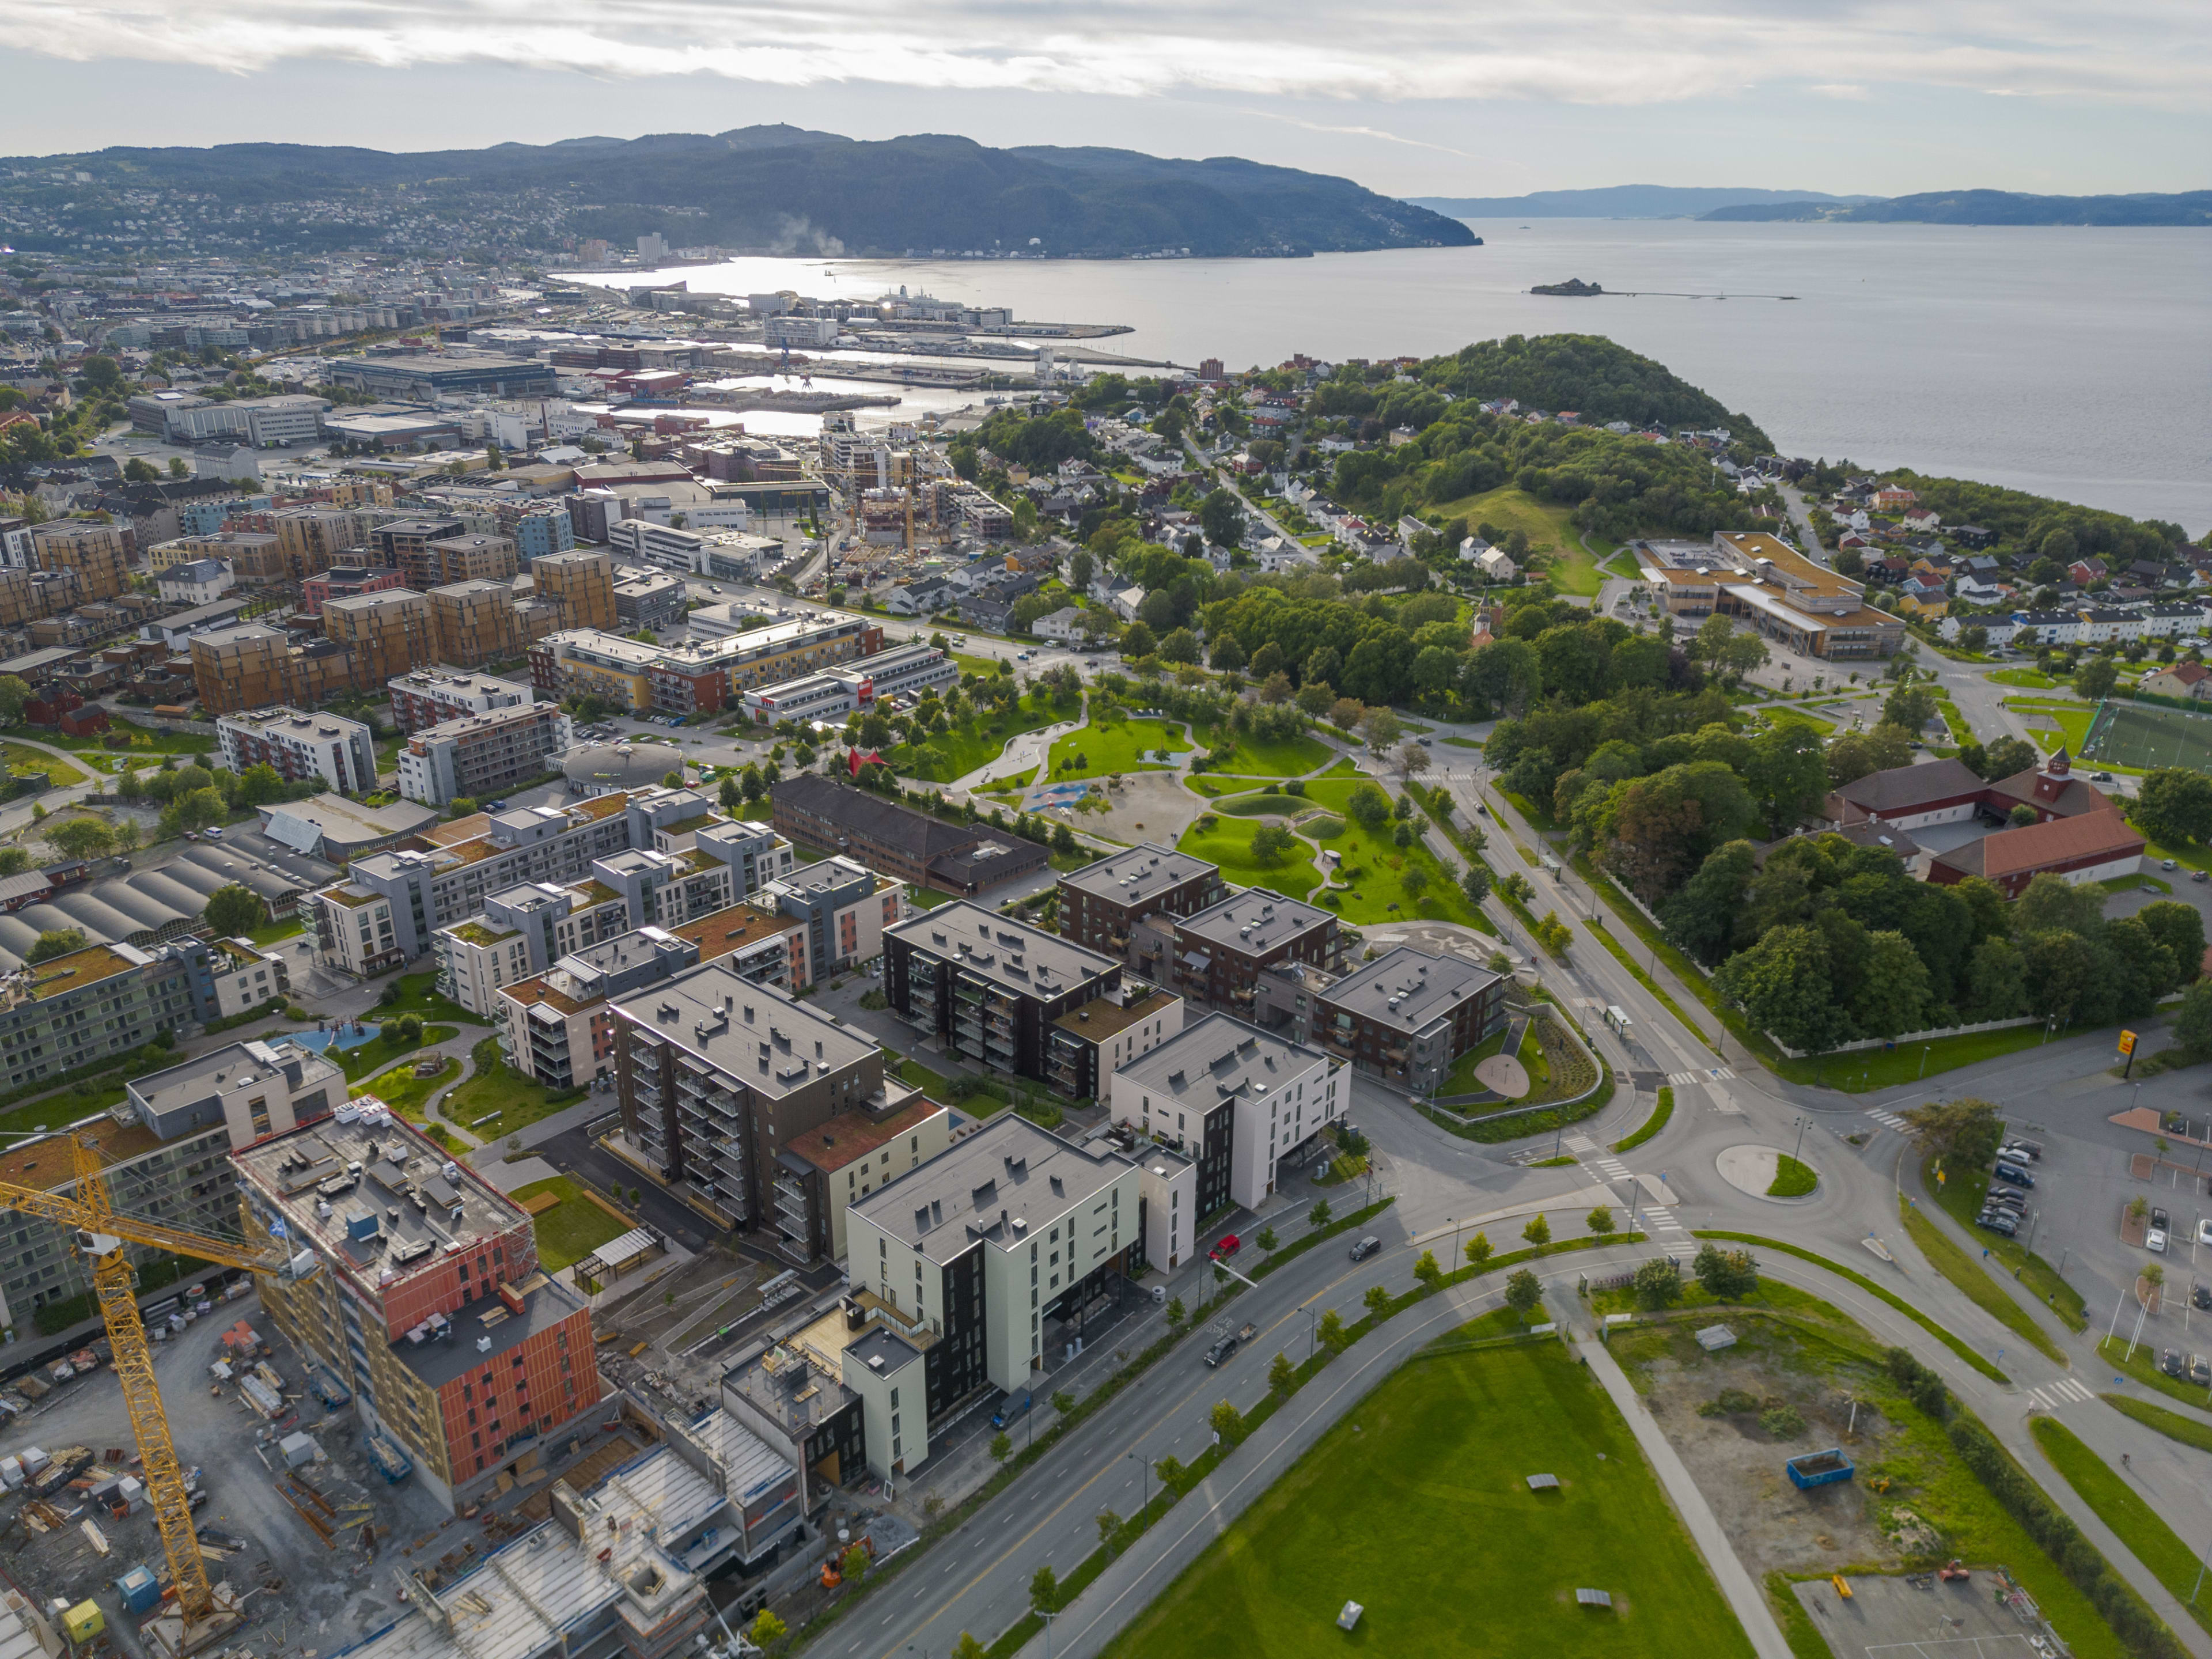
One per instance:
(1795, 1157)
(1312, 1325)
(1146, 1464)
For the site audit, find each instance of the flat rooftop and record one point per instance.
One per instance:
(1145, 870)
(479, 1332)
(1002, 1183)
(1012, 954)
(362, 1165)
(230, 1068)
(1098, 1019)
(826, 876)
(1409, 989)
(58, 975)
(1218, 1058)
(1254, 921)
(830, 1146)
(761, 1036)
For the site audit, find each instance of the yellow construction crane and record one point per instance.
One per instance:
(204, 1616)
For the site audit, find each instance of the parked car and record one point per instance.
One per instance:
(2204, 1230)
(2022, 1144)
(2159, 1219)
(2168, 864)
(215, 834)
(1998, 1221)
(2200, 1295)
(1369, 1245)
(2102, 777)
(2014, 1174)
(2200, 1369)
(2154, 1241)
(2170, 1362)
(1228, 1246)
(2200, 875)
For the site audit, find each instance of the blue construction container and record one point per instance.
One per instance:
(392, 1463)
(1818, 1469)
(140, 1591)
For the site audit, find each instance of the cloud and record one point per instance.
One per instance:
(1624, 52)
(1360, 133)
(1854, 94)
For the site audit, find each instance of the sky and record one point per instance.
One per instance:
(1474, 97)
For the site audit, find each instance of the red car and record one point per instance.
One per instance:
(1228, 1246)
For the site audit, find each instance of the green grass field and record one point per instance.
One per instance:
(366, 1060)
(1813, 723)
(2189, 1430)
(1423, 1515)
(2027, 680)
(1960, 1195)
(2050, 723)
(572, 1229)
(1228, 844)
(1380, 867)
(1293, 758)
(2142, 736)
(2140, 1361)
(1095, 752)
(1263, 802)
(501, 1099)
(962, 749)
(2122, 1508)
(405, 1092)
(21, 758)
(1953, 1261)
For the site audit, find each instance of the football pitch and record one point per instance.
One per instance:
(2144, 736)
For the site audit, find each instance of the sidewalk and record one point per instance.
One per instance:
(1742, 1592)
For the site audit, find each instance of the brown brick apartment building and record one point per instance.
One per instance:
(959, 858)
(1101, 903)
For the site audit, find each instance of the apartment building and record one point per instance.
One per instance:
(538, 531)
(166, 1149)
(521, 933)
(89, 1005)
(255, 556)
(474, 623)
(988, 1256)
(686, 679)
(990, 987)
(464, 558)
(228, 978)
(402, 544)
(1236, 1100)
(1405, 1017)
(341, 752)
(202, 581)
(94, 553)
(717, 1075)
(345, 582)
(1101, 903)
(315, 540)
(481, 756)
(430, 697)
(922, 851)
(357, 930)
(427, 1301)
(559, 1025)
(384, 634)
(649, 598)
(905, 670)
(579, 585)
(1218, 955)
(845, 908)
(1086, 1045)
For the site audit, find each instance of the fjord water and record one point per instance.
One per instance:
(2072, 362)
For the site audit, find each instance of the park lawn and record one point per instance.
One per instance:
(405, 1092)
(1464, 743)
(2027, 678)
(1097, 750)
(2072, 720)
(572, 1229)
(962, 749)
(498, 1100)
(1813, 723)
(1960, 1195)
(1424, 1517)
(1228, 844)
(366, 1060)
(2122, 1508)
(1507, 509)
(277, 930)
(1291, 758)
(419, 994)
(2190, 1431)
(1951, 1260)
(1264, 801)
(1377, 895)
(1461, 1079)
(22, 758)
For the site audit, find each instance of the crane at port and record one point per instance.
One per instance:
(204, 1613)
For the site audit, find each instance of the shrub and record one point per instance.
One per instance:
(1728, 1402)
(1729, 1275)
(1658, 1284)
(1783, 1422)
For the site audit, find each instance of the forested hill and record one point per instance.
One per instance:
(776, 190)
(1984, 207)
(1586, 373)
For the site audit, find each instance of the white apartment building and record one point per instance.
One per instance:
(481, 756)
(519, 932)
(199, 581)
(244, 975)
(300, 746)
(430, 697)
(1233, 1098)
(996, 1244)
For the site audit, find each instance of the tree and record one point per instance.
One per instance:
(1413, 759)
(14, 694)
(1271, 844)
(2192, 1021)
(136, 470)
(1787, 773)
(461, 806)
(55, 942)
(1063, 1401)
(1282, 1376)
(1781, 984)
(1221, 516)
(1413, 881)
(1332, 1333)
(1966, 1131)
(1538, 1231)
(235, 910)
(730, 794)
(1475, 882)
(2180, 929)
(1063, 839)
(1656, 1284)
(1426, 1270)
(1002, 1447)
(1477, 1250)
(1376, 1302)
(2095, 678)
(1730, 1275)
(177, 468)
(1523, 1291)
(1044, 1590)
(1179, 645)
(1368, 806)
(2175, 806)
(1177, 1314)
(1710, 646)
(1227, 655)
(2009, 755)
(2022, 816)
(1600, 1220)
(1892, 994)
(81, 838)
(1081, 567)
(1320, 1212)
(1138, 641)
(1109, 1529)
(1266, 1239)
(767, 1628)
(1227, 1422)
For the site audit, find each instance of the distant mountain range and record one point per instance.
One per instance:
(1616, 202)
(1983, 207)
(1956, 207)
(763, 189)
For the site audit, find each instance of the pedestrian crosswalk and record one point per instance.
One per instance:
(1660, 1223)
(1581, 1144)
(1711, 1074)
(1890, 1120)
(2065, 1391)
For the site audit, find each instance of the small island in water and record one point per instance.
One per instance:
(1573, 287)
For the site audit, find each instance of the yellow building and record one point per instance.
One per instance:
(93, 551)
